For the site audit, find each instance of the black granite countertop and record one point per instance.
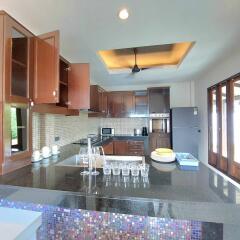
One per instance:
(208, 195)
(101, 140)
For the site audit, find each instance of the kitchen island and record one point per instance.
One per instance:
(168, 192)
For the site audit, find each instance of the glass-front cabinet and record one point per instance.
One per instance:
(17, 97)
(19, 71)
(19, 57)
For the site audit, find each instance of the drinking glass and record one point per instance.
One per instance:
(107, 169)
(115, 169)
(84, 158)
(96, 157)
(144, 170)
(135, 170)
(125, 169)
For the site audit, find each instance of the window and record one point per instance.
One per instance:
(18, 129)
(224, 120)
(224, 126)
(214, 122)
(236, 121)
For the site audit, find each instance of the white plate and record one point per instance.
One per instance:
(167, 159)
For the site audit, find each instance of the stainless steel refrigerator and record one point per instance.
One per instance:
(185, 130)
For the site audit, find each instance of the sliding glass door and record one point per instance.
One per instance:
(224, 127)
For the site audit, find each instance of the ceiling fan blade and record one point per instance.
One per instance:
(142, 69)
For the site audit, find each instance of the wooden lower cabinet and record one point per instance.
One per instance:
(136, 148)
(120, 147)
(128, 148)
(108, 148)
(159, 140)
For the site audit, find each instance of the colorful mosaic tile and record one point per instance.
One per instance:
(71, 224)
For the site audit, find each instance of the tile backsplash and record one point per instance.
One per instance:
(124, 125)
(46, 127)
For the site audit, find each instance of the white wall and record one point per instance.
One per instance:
(181, 93)
(224, 68)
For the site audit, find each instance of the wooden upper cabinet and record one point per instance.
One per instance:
(104, 106)
(79, 86)
(114, 104)
(128, 104)
(17, 61)
(46, 71)
(121, 104)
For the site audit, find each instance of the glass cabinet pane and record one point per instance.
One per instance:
(214, 122)
(19, 64)
(19, 131)
(236, 121)
(224, 120)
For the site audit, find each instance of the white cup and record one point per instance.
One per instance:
(36, 155)
(46, 152)
(55, 149)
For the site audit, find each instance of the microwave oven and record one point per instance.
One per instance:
(107, 131)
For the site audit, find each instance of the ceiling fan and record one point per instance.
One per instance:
(135, 68)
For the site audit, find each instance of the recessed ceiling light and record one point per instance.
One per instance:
(123, 14)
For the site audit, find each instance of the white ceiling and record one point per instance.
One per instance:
(87, 26)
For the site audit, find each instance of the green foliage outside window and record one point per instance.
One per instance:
(14, 123)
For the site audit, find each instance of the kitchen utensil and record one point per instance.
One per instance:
(36, 156)
(144, 131)
(46, 152)
(55, 149)
(137, 131)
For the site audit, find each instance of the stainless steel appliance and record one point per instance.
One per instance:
(107, 131)
(185, 130)
(159, 122)
(137, 132)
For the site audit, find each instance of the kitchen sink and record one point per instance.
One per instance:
(75, 161)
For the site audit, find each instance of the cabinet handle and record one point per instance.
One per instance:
(68, 69)
(55, 93)
(31, 102)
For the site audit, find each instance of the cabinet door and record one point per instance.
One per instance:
(46, 72)
(115, 104)
(108, 148)
(104, 103)
(120, 148)
(79, 86)
(17, 61)
(95, 98)
(136, 148)
(128, 104)
(163, 142)
(157, 140)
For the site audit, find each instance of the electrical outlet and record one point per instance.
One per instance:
(57, 139)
